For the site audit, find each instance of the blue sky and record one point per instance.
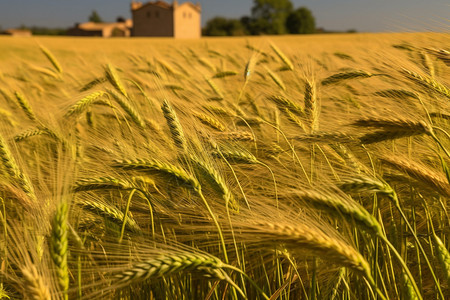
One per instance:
(363, 15)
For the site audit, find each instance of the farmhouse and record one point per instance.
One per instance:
(161, 19)
(117, 29)
(17, 32)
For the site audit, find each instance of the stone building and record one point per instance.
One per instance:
(160, 19)
(117, 29)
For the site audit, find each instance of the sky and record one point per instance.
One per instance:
(362, 15)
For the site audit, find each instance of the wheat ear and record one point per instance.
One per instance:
(25, 105)
(127, 107)
(344, 207)
(420, 173)
(149, 165)
(303, 237)
(169, 264)
(278, 81)
(82, 104)
(92, 83)
(215, 88)
(36, 289)
(11, 168)
(427, 82)
(215, 180)
(210, 121)
(336, 78)
(110, 212)
(287, 62)
(224, 74)
(391, 128)
(113, 78)
(283, 102)
(101, 183)
(52, 59)
(237, 136)
(59, 247)
(441, 54)
(396, 93)
(311, 105)
(174, 125)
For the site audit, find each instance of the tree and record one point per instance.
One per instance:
(94, 17)
(220, 26)
(269, 16)
(301, 21)
(120, 19)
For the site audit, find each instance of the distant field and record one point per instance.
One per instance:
(287, 167)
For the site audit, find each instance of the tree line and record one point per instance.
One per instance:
(267, 17)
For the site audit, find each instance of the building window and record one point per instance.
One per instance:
(148, 14)
(190, 15)
(184, 15)
(157, 14)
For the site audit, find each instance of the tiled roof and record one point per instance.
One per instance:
(161, 4)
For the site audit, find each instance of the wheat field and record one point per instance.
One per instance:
(310, 167)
